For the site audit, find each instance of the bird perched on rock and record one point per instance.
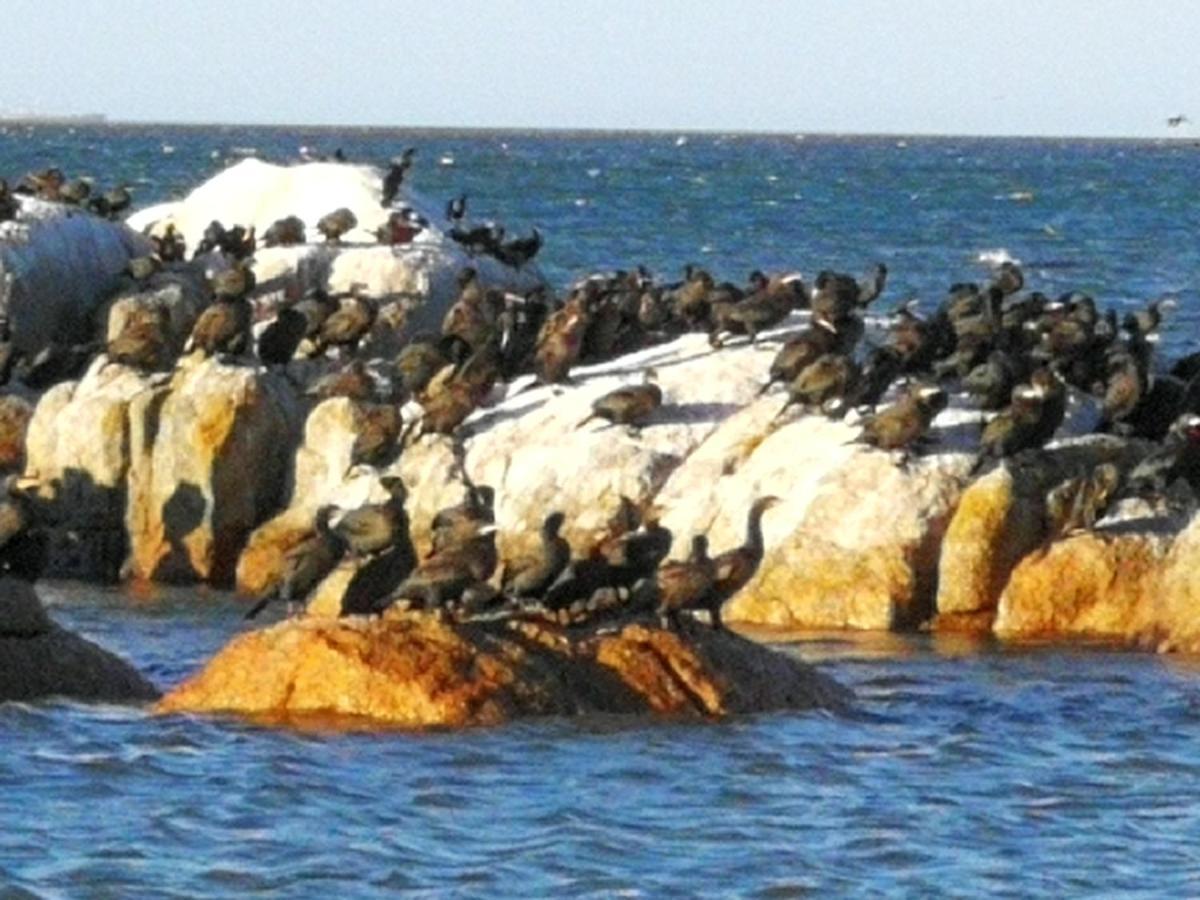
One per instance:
(347, 326)
(306, 564)
(394, 177)
(377, 526)
(768, 304)
(278, 342)
(1028, 422)
(223, 328)
(906, 422)
(631, 405)
(1178, 458)
(447, 574)
(461, 522)
(423, 357)
(685, 584)
(336, 224)
(377, 427)
(170, 245)
(532, 575)
(1077, 503)
(823, 385)
(559, 343)
(800, 352)
(1145, 322)
(236, 281)
(733, 569)
(285, 232)
(991, 382)
(54, 363)
(1008, 278)
(871, 287)
(144, 340)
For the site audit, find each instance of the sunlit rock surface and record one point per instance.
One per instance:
(1001, 518)
(1091, 585)
(414, 671)
(210, 453)
(39, 659)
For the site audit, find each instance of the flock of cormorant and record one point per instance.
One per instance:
(1017, 354)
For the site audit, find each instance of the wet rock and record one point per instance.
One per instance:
(1001, 518)
(210, 455)
(415, 671)
(39, 659)
(1101, 585)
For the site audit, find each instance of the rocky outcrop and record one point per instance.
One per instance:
(209, 462)
(39, 659)
(1001, 519)
(57, 265)
(78, 449)
(856, 542)
(256, 193)
(167, 473)
(415, 671)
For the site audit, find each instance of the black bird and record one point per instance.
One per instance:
(456, 209)
(1179, 457)
(23, 540)
(395, 176)
(278, 342)
(306, 564)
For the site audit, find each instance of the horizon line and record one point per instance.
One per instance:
(101, 120)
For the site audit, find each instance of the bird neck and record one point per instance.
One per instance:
(754, 534)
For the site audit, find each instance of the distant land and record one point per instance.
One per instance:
(63, 119)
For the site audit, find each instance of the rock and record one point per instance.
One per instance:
(414, 671)
(855, 544)
(1001, 518)
(78, 448)
(57, 265)
(1101, 585)
(210, 456)
(256, 193)
(1177, 625)
(863, 550)
(39, 659)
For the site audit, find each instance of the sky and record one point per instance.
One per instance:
(1105, 68)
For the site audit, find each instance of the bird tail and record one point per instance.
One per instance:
(585, 421)
(766, 387)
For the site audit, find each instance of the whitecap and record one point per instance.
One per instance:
(995, 257)
(446, 160)
(593, 173)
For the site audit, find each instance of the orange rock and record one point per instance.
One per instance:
(1093, 585)
(414, 670)
(997, 522)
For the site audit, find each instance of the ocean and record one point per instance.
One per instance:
(964, 767)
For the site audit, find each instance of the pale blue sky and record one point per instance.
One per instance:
(1072, 67)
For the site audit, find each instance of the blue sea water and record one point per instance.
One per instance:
(964, 768)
